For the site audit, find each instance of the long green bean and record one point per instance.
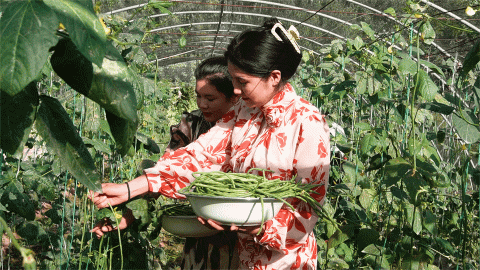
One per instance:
(244, 185)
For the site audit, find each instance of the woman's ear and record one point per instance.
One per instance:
(276, 77)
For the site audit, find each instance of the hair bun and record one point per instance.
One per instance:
(269, 23)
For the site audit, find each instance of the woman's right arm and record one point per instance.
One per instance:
(114, 194)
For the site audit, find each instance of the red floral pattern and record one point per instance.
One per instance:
(288, 136)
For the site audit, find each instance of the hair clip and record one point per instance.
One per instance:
(292, 34)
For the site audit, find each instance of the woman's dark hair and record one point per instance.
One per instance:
(257, 52)
(215, 70)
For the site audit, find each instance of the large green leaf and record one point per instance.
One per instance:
(17, 116)
(27, 31)
(16, 201)
(427, 33)
(113, 86)
(395, 170)
(83, 27)
(425, 86)
(407, 66)
(139, 209)
(55, 126)
(72, 66)
(464, 122)
(123, 131)
(437, 107)
(471, 61)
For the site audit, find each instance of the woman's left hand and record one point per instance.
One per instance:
(241, 229)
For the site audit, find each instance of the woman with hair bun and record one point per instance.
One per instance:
(271, 128)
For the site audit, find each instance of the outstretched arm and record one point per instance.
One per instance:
(114, 194)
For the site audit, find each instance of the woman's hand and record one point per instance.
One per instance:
(105, 225)
(113, 194)
(241, 229)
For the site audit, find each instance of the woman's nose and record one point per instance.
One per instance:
(202, 104)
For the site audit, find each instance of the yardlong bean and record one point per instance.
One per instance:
(251, 185)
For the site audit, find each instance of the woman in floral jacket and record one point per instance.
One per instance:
(270, 128)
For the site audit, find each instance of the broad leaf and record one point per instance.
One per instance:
(471, 61)
(83, 27)
(367, 145)
(365, 237)
(368, 30)
(414, 218)
(368, 200)
(425, 86)
(433, 67)
(74, 68)
(407, 66)
(55, 126)
(27, 31)
(17, 116)
(17, 201)
(113, 86)
(139, 209)
(429, 221)
(427, 33)
(342, 235)
(437, 107)
(395, 170)
(464, 122)
(99, 145)
(123, 132)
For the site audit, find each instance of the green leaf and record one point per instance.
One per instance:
(99, 145)
(425, 86)
(407, 66)
(32, 232)
(113, 86)
(368, 200)
(123, 132)
(414, 218)
(17, 116)
(395, 170)
(83, 27)
(471, 61)
(17, 201)
(139, 209)
(337, 263)
(427, 33)
(446, 246)
(365, 237)
(437, 107)
(74, 68)
(368, 30)
(358, 43)
(159, 4)
(429, 221)
(27, 31)
(367, 145)
(433, 67)
(342, 235)
(464, 122)
(55, 126)
(182, 42)
(390, 11)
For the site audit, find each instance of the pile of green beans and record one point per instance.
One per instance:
(250, 185)
(178, 210)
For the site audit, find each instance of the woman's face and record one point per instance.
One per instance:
(213, 103)
(255, 91)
